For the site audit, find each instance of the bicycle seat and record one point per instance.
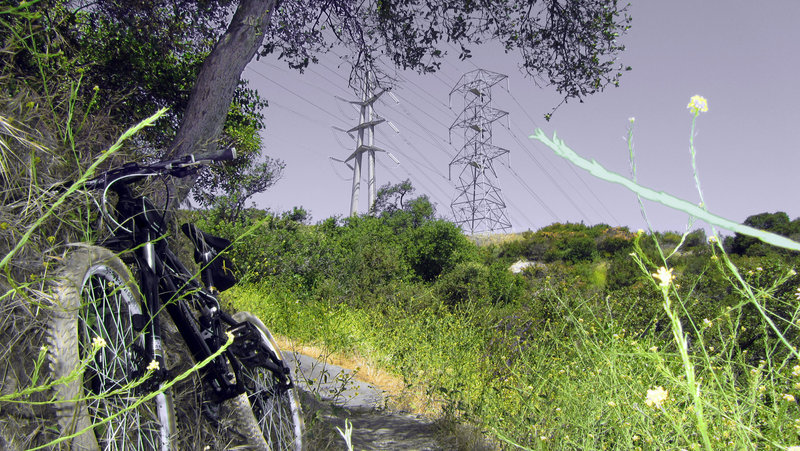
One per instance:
(217, 269)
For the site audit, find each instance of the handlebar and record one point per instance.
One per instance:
(178, 167)
(118, 179)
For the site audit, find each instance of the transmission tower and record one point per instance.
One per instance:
(478, 206)
(365, 142)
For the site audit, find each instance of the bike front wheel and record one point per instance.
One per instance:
(96, 333)
(275, 407)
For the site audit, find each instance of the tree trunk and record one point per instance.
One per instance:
(216, 83)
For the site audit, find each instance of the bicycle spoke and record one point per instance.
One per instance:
(108, 315)
(274, 404)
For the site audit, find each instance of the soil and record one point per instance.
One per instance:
(333, 396)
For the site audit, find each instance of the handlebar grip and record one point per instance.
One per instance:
(226, 155)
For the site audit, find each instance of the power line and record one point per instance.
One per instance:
(304, 116)
(295, 94)
(427, 98)
(533, 194)
(430, 133)
(549, 176)
(433, 118)
(515, 206)
(561, 177)
(428, 164)
(416, 164)
(591, 191)
(417, 124)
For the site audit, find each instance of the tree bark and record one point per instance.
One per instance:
(216, 83)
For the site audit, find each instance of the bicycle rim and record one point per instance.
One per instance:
(109, 311)
(102, 308)
(275, 407)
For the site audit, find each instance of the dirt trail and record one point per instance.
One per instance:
(331, 394)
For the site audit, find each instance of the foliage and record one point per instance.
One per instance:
(122, 60)
(570, 46)
(572, 243)
(471, 282)
(777, 222)
(146, 55)
(642, 341)
(562, 363)
(390, 198)
(229, 186)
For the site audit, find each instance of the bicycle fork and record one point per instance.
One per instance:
(153, 346)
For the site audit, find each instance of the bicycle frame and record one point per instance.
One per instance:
(166, 283)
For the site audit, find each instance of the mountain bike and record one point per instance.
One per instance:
(107, 319)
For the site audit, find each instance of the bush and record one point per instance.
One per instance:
(467, 282)
(622, 272)
(435, 247)
(615, 240)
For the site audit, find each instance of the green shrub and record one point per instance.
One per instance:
(622, 272)
(467, 282)
(435, 247)
(615, 240)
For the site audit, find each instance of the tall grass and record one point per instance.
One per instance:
(51, 142)
(580, 369)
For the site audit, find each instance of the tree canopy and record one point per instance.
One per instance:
(189, 55)
(571, 45)
(777, 222)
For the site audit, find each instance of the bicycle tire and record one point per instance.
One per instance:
(278, 415)
(95, 297)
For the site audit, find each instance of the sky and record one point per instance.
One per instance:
(740, 55)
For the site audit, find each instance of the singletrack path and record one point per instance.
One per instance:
(331, 394)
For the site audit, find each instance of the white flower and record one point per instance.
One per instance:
(656, 397)
(664, 276)
(707, 322)
(697, 104)
(98, 342)
(153, 366)
(788, 398)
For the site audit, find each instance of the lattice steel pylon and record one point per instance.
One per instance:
(478, 205)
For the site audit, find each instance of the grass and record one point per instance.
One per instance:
(576, 380)
(562, 369)
(566, 370)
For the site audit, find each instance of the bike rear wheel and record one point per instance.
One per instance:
(97, 321)
(275, 407)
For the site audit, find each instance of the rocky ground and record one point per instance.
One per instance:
(332, 394)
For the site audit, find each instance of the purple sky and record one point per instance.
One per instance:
(741, 56)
